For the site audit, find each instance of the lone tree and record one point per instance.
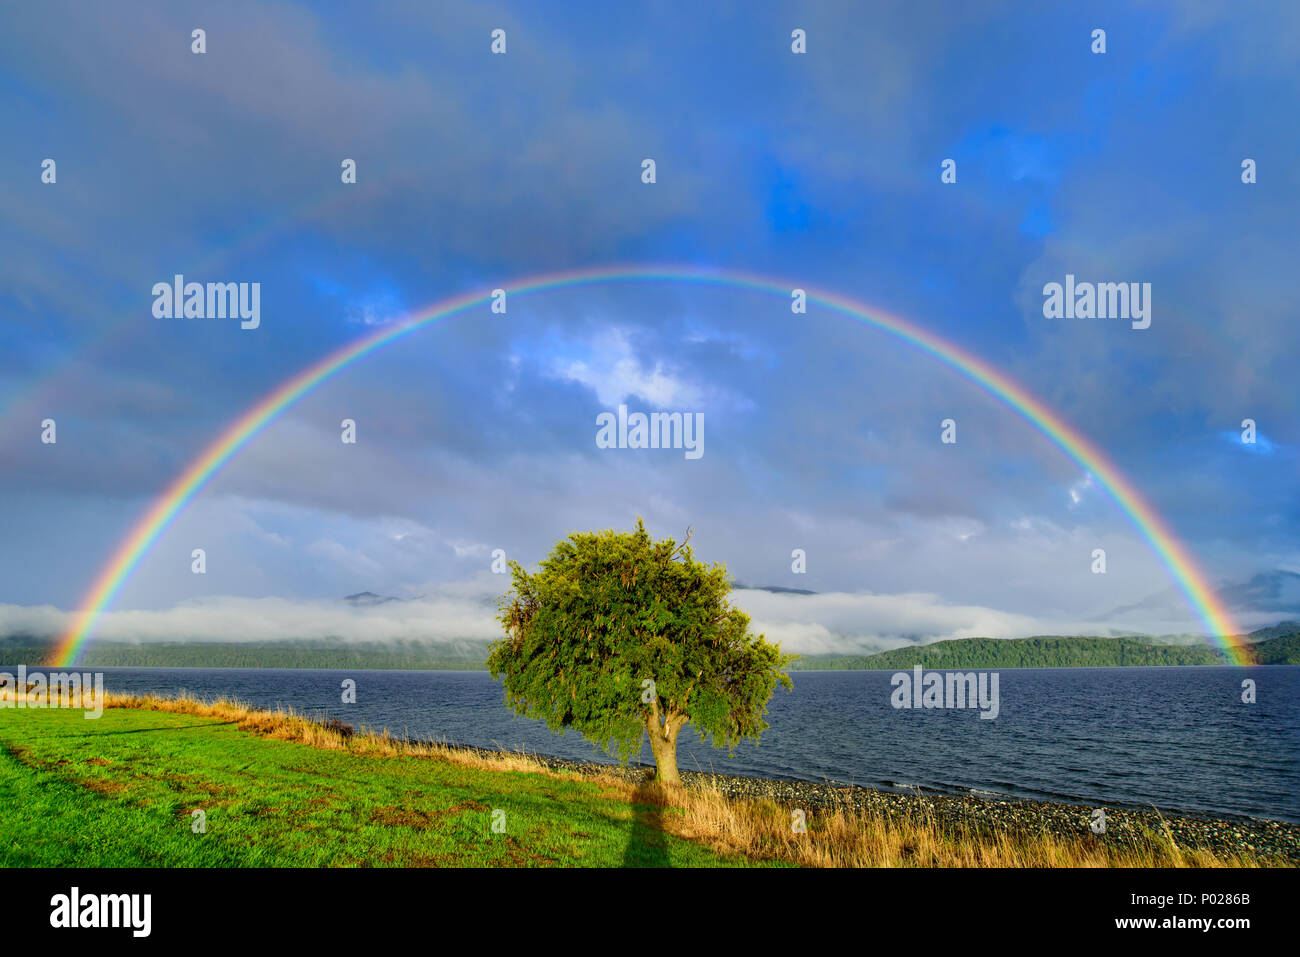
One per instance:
(618, 635)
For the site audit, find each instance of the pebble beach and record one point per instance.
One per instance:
(1276, 840)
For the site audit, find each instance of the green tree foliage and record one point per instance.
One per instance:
(619, 636)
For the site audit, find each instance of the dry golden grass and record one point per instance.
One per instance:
(285, 724)
(845, 837)
(759, 829)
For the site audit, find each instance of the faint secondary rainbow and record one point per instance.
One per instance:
(1189, 578)
(16, 407)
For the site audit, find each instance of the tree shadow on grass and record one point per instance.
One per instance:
(647, 844)
(174, 727)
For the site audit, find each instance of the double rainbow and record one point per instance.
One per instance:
(1189, 578)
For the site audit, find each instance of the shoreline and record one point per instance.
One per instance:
(1124, 825)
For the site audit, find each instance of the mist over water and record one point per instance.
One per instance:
(1178, 738)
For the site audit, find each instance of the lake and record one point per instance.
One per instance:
(1179, 738)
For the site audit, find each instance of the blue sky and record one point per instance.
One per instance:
(478, 433)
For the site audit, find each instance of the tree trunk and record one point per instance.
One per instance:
(663, 742)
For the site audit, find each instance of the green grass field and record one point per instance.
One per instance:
(119, 791)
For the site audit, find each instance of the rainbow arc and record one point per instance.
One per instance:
(1190, 580)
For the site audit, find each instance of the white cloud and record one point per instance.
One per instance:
(856, 623)
(614, 372)
(826, 623)
(1078, 488)
(435, 619)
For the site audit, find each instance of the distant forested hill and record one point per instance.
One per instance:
(1050, 652)
(1279, 651)
(1046, 652)
(1283, 629)
(397, 656)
